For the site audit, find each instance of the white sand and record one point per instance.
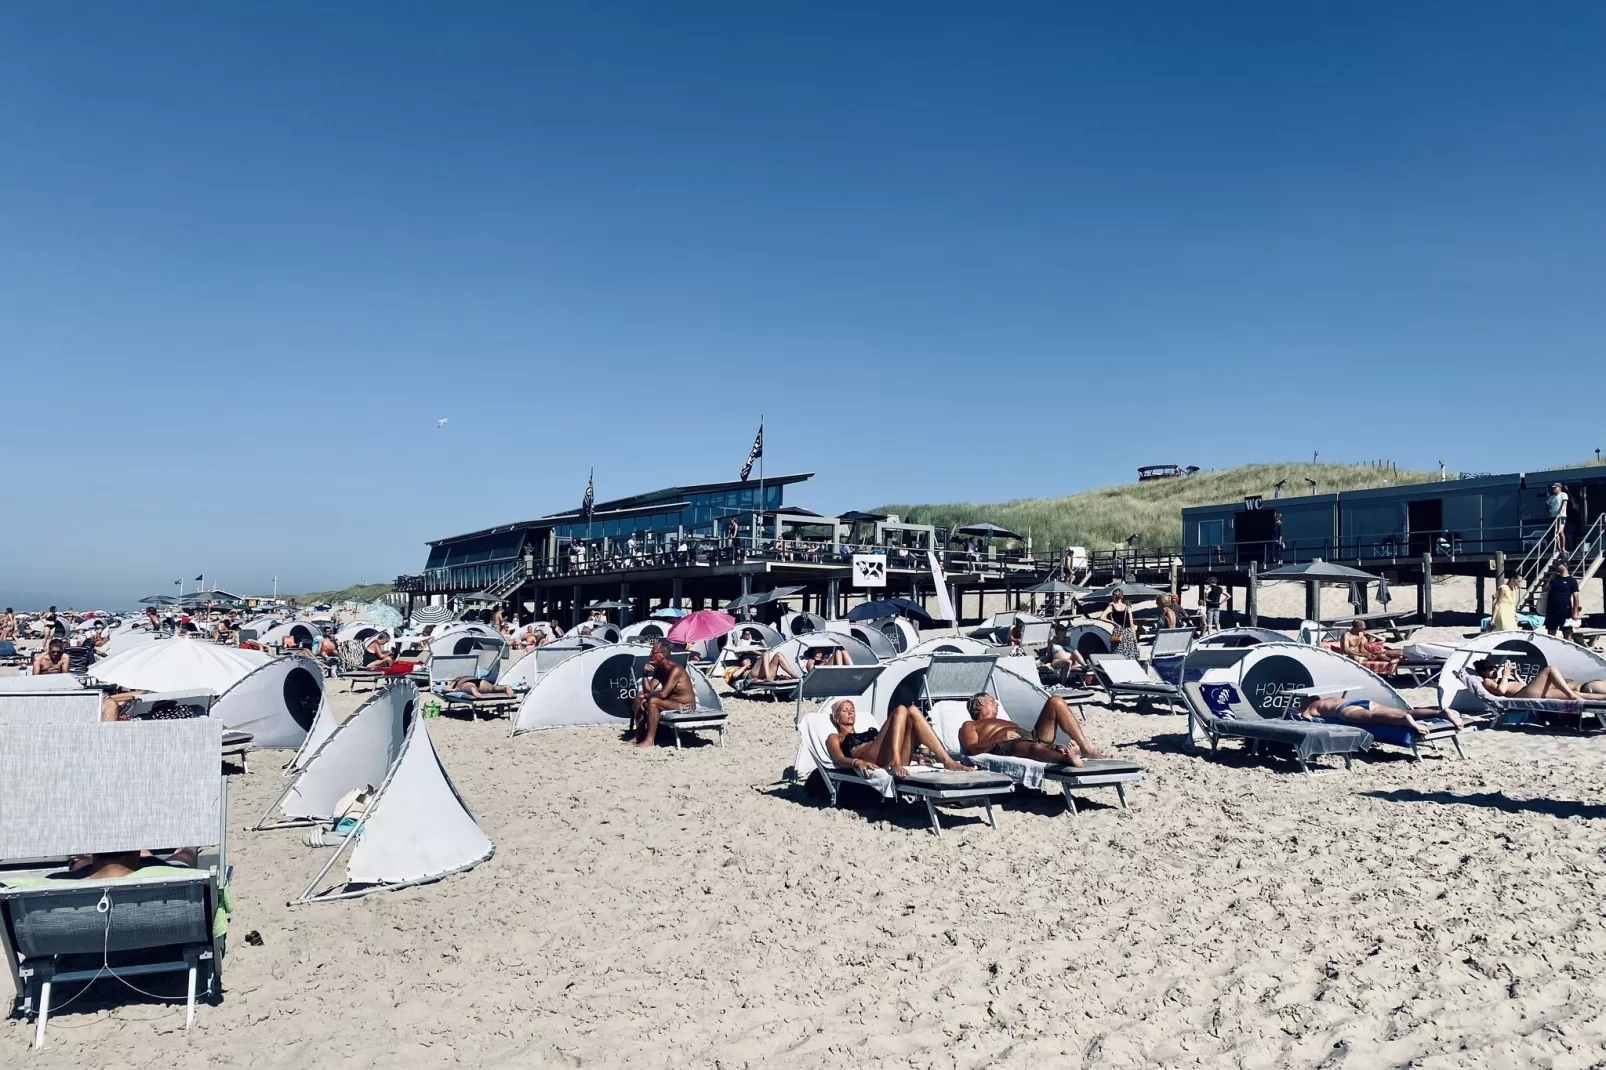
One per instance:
(686, 909)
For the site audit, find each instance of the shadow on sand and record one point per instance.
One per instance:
(1495, 800)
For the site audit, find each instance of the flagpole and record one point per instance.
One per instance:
(758, 514)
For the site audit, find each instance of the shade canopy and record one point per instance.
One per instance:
(991, 531)
(605, 605)
(430, 615)
(1318, 571)
(158, 600)
(178, 665)
(1056, 587)
(1129, 591)
(701, 625)
(890, 607)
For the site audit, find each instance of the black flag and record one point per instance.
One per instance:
(591, 496)
(199, 578)
(755, 453)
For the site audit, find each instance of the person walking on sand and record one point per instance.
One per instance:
(1503, 617)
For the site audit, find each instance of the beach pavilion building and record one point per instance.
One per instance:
(694, 546)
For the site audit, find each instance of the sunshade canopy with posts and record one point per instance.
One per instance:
(991, 531)
(1315, 573)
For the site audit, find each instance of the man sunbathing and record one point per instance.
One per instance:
(891, 746)
(477, 688)
(1364, 711)
(1504, 680)
(664, 686)
(1362, 645)
(125, 863)
(989, 732)
(52, 660)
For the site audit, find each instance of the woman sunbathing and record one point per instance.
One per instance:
(774, 666)
(889, 747)
(1504, 680)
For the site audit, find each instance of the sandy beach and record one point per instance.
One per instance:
(694, 909)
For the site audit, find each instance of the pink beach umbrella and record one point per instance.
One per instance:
(703, 624)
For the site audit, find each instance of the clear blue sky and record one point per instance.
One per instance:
(249, 254)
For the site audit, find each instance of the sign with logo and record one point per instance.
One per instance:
(869, 570)
(1252, 501)
(1269, 683)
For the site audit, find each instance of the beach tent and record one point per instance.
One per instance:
(56, 681)
(751, 633)
(601, 630)
(356, 754)
(1532, 651)
(1234, 637)
(1020, 697)
(802, 624)
(1089, 639)
(524, 672)
(797, 650)
(475, 642)
(595, 687)
(305, 634)
(278, 703)
(643, 629)
(417, 829)
(952, 644)
(868, 633)
(1034, 629)
(178, 665)
(356, 631)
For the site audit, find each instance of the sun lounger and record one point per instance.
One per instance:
(1221, 713)
(931, 786)
(351, 666)
(1434, 728)
(178, 705)
(1123, 678)
(948, 716)
(1519, 711)
(49, 707)
(444, 669)
(105, 788)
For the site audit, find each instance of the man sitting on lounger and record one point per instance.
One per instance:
(477, 688)
(1362, 645)
(52, 660)
(1504, 680)
(891, 747)
(1364, 711)
(664, 686)
(989, 732)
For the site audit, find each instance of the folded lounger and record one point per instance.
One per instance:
(444, 669)
(105, 788)
(1516, 711)
(1219, 712)
(930, 786)
(1123, 678)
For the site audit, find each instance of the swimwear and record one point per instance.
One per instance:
(854, 739)
(1360, 703)
(1006, 747)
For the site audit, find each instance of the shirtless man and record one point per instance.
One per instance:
(473, 685)
(1364, 711)
(664, 686)
(1362, 645)
(52, 660)
(989, 732)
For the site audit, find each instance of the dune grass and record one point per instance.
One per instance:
(357, 592)
(1099, 519)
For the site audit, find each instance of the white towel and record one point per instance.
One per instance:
(1023, 771)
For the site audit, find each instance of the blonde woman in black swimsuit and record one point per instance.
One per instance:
(889, 747)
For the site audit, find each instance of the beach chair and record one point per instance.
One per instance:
(1511, 712)
(701, 716)
(1124, 679)
(826, 685)
(445, 668)
(351, 666)
(1220, 713)
(1167, 654)
(10, 655)
(74, 789)
(179, 705)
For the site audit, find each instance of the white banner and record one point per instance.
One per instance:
(869, 570)
(945, 605)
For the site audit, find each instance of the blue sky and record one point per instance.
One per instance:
(250, 255)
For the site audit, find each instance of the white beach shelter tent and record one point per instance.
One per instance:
(357, 753)
(595, 687)
(305, 632)
(278, 703)
(416, 830)
(1532, 651)
(524, 672)
(796, 650)
(356, 631)
(951, 644)
(127, 639)
(178, 665)
(644, 629)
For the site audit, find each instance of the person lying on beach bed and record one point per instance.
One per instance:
(891, 747)
(822, 656)
(742, 669)
(1363, 711)
(774, 665)
(1504, 680)
(473, 685)
(989, 732)
(124, 863)
(1362, 645)
(664, 686)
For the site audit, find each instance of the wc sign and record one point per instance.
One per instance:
(869, 570)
